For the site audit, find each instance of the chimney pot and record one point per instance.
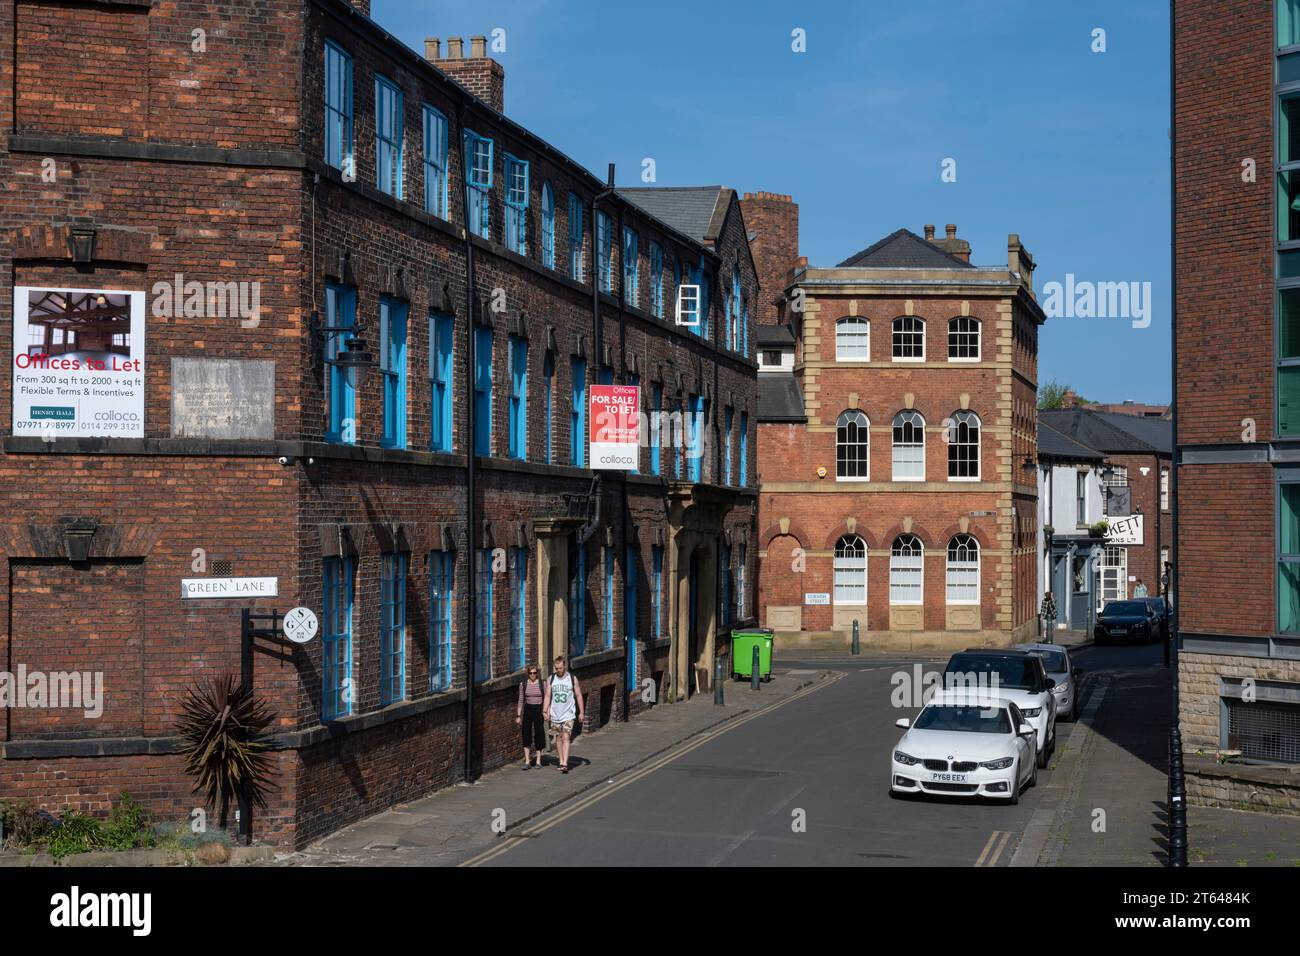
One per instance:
(951, 230)
(432, 48)
(455, 48)
(478, 47)
(929, 231)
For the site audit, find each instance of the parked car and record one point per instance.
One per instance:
(1016, 676)
(1128, 622)
(962, 746)
(1056, 661)
(1161, 606)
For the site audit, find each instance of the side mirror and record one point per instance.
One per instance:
(903, 722)
(1027, 730)
(1051, 682)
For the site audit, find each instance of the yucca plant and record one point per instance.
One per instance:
(221, 728)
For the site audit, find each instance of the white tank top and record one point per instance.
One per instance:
(563, 706)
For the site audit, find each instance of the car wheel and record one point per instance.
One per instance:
(1043, 756)
(1015, 785)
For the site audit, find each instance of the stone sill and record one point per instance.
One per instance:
(1273, 775)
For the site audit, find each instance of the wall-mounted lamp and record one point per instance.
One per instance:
(82, 241)
(354, 358)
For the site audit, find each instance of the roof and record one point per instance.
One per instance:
(904, 249)
(773, 335)
(1097, 430)
(1056, 445)
(1156, 432)
(696, 211)
(779, 398)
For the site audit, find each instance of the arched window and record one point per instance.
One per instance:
(851, 570)
(963, 339)
(909, 446)
(548, 226)
(852, 446)
(964, 447)
(905, 570)
(909, 339)
(963, 570)
(852, 340)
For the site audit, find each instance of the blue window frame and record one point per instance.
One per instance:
(605, 376)
(435, 163)
(337, 691)
(388, 137)
(705, 281)
(733, 307)
(577, 597)
(575, 237)
(441, 372)
(727, 416)
(695, 429)
(478, 167)
(656, 280)
(483, 392)
(743, 477)
(609, 598)
(548, 226)
(657, 595)
(483, 615)
(392, 365)
(724, 574)
(340, 313)
(518, 408)
(630, 267)
(679, 437)
(656, 426)
(635, 380)
(629, 612)
(578, 414)
(740, 583)
(518, 607)
(392, 628)
(744, 325)
(604, 252)
(442, 582)
(516, 182)
(548, 402)
(338, 109)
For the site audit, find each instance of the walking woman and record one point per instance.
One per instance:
(528, 715)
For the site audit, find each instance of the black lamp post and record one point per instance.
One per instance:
(355, 358)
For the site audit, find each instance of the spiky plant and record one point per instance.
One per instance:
(221, 728)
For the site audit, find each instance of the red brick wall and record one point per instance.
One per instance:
(773, 218)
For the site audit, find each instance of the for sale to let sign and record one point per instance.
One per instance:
(615, 436)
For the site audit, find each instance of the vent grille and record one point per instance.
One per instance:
(1264, 730)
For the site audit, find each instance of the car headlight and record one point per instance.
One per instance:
(1002, 763)
(1032, 711)
(906, 759)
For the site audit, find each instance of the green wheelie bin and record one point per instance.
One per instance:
(742, 653)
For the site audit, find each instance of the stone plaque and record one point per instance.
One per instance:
(223, 398)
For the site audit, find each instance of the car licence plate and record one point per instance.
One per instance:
(948, 777)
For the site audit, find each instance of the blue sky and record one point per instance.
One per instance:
(1065, 146)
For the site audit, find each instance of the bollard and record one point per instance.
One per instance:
(717, 681)
(856, 646)
(753, 670)
(1177, 802)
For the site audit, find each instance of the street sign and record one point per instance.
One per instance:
(300, 625)
(1125, 530)
(614, 428)
(817, 597)
(228, 587)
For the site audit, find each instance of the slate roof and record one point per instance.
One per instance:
(903, 249)
(773, 335)
(696, 211)
(1053, 444)
(1101, 431)
(779, 398)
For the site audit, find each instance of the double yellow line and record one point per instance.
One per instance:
(583, 803)
(989, 857)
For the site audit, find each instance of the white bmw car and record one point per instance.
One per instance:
(962, 746)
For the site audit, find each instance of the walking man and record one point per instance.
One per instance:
(1048, 612)
(563, 706)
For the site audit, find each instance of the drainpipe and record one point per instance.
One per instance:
(624, 512)
(471, 534)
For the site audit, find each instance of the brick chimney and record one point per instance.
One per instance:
(773, 221)
(478, 73)
(362, 5)
(950, 243)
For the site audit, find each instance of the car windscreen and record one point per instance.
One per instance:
(974, 670)
(1124, 608)
(1054, 661)
(975, 720)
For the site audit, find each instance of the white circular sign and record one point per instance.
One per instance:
(300, 625)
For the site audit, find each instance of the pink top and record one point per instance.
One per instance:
(530, 692)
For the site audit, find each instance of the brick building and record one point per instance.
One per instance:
(897, 446)
(1236, 99)
(439, 512)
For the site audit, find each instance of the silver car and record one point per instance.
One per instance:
(1056, 661)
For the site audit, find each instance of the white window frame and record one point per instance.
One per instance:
(855, 345)
(1164, 489)
(865, 427)
(957, 572)
(910, 565)
(893, 344)
(1114, 576)
(895, 447)
(688, 305)
(849, 578)
(979, 340)
(979, 443)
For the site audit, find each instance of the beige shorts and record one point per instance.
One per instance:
(561, 726)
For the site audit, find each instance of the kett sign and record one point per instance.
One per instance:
(615, 433)
(1126, 530)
